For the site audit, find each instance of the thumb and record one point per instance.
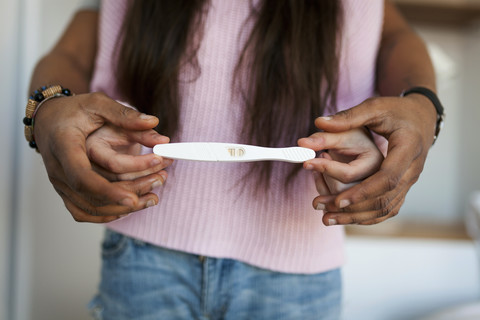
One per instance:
(119, 114)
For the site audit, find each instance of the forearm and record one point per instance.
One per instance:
(403, 61)
(54, 68)
(70, 63)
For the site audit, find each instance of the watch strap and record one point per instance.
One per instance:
(436, 103)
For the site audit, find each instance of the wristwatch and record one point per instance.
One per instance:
(436, 103)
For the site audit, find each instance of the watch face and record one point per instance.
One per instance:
(441, 122)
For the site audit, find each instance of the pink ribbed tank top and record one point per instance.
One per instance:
(203, 208)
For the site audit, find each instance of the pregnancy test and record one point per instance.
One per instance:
(231, 152)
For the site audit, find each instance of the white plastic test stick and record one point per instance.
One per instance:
(231, 152)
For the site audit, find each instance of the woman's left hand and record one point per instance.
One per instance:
(349, 157)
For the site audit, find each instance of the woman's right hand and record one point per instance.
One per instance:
(94, 190)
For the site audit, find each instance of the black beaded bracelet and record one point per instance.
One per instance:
(35, 101)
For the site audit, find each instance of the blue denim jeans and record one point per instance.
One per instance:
(142, 281)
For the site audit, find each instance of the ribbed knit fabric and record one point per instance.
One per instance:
(207, 208)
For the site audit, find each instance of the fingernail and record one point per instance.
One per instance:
(155, 161)
(157, 183)
(127, 202)
(327, 118)
(332, 222)
(150, 203)
(320, 206)
(344, 203)
(167, 161)
(144, 116)
(309, 166)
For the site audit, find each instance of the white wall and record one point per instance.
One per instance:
(451, 173)
(57, 260)
(8, 38)
(470, 117)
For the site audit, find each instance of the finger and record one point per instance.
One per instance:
(380, 204)
(118, 114)
(347, 142)
(100, 153)
(81, 216)
(370, 113)
(355, 170)
(113, 177)
(158, 169)
(321, 141)
(343, 172)
(383, 207)
(146, 199)
(320, 202)
(81, 209)
(322, 187)
(362, 218)
(355, 139)
(148, 138)
(144, 185)
(393, 213)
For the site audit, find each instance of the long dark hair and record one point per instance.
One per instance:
(290, 60)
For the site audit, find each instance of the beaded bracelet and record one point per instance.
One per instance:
(35, 101)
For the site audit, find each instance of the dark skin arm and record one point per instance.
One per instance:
(407, 123)
(62, 125)
(73, 55)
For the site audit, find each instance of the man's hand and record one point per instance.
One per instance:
(408, 124)
(62, 126)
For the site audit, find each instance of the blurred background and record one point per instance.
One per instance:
(423, 264)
